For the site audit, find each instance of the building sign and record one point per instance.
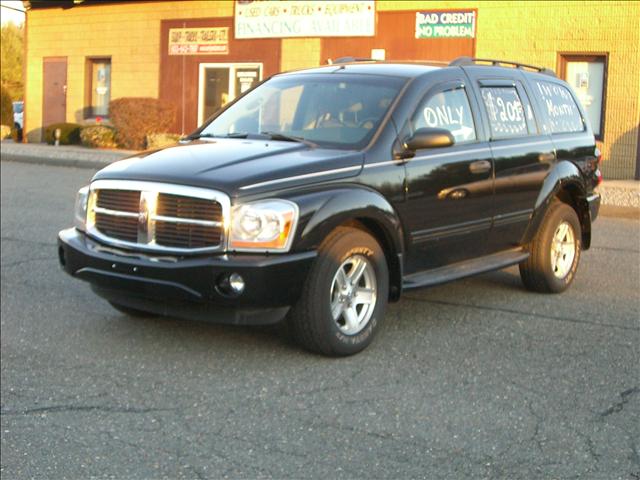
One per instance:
(245, 80)
(299, 18)
(461, 24)
(199, 41)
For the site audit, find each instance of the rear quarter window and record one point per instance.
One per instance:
(564, 115)
(506, 112)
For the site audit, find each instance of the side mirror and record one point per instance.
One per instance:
(429, 138)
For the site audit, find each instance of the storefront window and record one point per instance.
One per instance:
(98, 87)
(587, 76)
(221, 83)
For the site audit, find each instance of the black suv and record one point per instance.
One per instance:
(322, 194)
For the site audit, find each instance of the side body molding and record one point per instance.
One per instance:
(565, 181)
(323, 210)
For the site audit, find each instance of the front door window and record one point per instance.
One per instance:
(448, 109)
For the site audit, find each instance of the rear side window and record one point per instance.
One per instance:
(506, 112)
(561, 109)
(448, 109)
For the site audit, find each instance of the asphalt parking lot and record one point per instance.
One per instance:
(475, 379)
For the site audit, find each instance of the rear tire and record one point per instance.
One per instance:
(554, 251)
(344, 297)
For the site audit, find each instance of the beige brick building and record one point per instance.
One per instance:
(80, 54)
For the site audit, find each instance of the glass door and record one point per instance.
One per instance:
(216, 90)
(246, 78)
(221, 83)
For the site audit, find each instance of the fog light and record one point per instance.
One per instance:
(230, 284)
(236, 283)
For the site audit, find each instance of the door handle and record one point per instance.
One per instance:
(546, 157)
(481, 166)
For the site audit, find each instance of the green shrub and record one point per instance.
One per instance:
(98, 136)
(134, 118)
(69, 133)
(6, 107)
(160, 140)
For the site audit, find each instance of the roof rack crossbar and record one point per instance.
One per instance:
(466, 61)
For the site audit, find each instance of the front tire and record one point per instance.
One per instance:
(554, 251)
(344, 297)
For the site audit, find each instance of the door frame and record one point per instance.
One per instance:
(431, 240)
(232, 66)
(54, 59)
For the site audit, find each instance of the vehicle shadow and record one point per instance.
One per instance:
(269, 339)
(208, 334)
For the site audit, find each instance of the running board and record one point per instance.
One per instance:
(467, 268)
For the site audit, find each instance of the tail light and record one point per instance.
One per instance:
(597, 172)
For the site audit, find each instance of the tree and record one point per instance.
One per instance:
(11, 46)
(6, 108)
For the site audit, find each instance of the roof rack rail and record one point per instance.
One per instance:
(350, 60)
(466, 61)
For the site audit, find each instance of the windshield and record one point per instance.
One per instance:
(339, 111)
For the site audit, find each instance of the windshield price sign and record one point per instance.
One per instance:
(199, 41)
(461, 24)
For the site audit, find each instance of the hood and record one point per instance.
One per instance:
(237, 166)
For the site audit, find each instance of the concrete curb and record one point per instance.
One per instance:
(65, 156)
(621, 193)
(57, 162)
(632, 213)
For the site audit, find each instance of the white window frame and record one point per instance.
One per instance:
(232, 84)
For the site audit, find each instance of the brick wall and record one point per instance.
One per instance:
(531, 32)
(300, 53)
(535, 31)
(128, 33)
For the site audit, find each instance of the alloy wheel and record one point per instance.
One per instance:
(563, 250)
(353, 294)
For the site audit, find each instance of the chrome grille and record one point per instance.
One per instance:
(157, 216)
(187, 236)
(188, 207)
(122, 228)
(120, 200)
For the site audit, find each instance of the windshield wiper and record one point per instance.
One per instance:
(289, 138)
(199, 135)
(271, 135)
(213, 135)
(237, 135)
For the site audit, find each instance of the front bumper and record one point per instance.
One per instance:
(187, 286)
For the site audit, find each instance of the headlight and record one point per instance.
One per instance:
(267, 225)
(82, 199)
